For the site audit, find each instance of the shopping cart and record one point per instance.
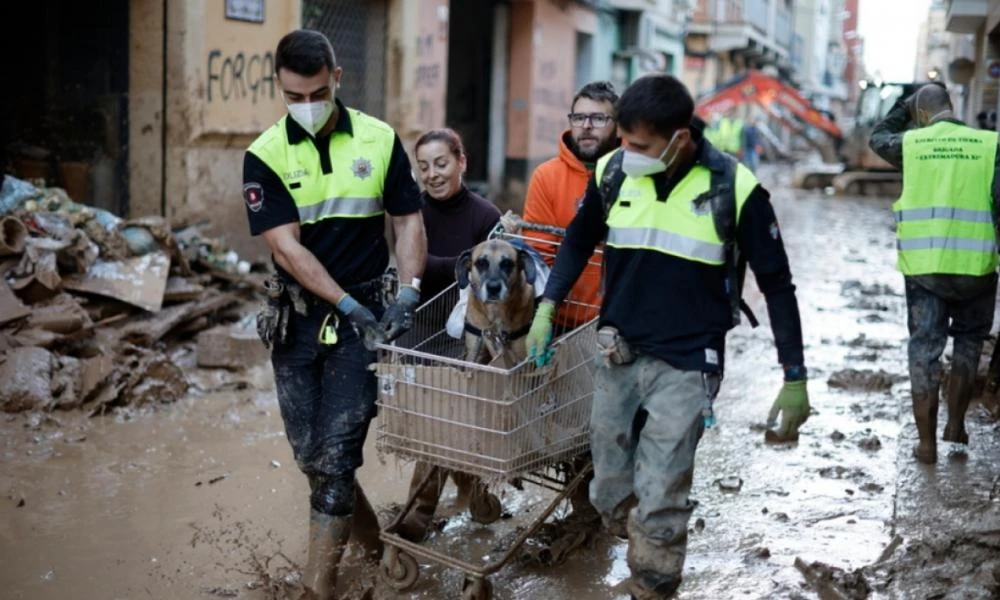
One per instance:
(522, 423)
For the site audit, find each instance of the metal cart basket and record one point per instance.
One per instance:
(497, 423)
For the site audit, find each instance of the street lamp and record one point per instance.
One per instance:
(933, 74)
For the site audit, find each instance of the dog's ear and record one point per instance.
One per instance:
(462, 267)
(527, 264)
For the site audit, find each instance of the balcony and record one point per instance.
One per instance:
(966, 16)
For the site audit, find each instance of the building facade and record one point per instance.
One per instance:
(165, 95)
(726, 37)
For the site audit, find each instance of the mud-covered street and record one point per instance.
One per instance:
(201, 499)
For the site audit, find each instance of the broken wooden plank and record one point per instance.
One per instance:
(140, 281)
(149, 328)
(230, 347)
(181, 289)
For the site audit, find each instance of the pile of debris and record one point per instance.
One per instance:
(93, 307)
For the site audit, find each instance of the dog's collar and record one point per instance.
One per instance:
(507, 336)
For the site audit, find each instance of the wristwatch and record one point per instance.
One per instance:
(795, 373)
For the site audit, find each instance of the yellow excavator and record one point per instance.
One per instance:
(859, 170)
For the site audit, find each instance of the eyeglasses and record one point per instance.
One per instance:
(596, 119)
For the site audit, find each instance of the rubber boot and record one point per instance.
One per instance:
(925, 409)
(959, 395)
(328, 537)
(417, 522)
(365, 528)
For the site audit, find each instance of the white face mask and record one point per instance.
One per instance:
(312, 116)
(635, 164)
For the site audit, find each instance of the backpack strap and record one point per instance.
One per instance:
(722, 196)
(611, 181)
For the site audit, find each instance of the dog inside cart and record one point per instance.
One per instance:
(523, 423)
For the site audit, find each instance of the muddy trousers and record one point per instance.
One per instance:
(645, 426)
(327, 398)
(932, 317)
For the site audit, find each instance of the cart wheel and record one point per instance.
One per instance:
(399, 569)
(485, 508)
(477, 589)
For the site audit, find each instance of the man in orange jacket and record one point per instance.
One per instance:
(558, 185)
(555, 193)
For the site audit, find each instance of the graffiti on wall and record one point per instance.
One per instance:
(551, 100)
(428, 78)
(240, 76)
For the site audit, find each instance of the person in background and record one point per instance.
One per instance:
(456, 219)
(947, 251)
(751, 144)
(556, 189)
(555, 194)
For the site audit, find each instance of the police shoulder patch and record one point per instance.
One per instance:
(253, 195)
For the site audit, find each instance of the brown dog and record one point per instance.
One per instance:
(501, 301)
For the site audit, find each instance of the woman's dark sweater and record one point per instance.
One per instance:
(453, 226)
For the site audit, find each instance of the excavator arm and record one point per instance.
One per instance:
(765, 91)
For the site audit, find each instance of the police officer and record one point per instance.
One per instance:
(317, 185)
(664, 317)
(947, 250)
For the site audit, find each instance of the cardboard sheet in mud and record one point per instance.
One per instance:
(140, 281)
(492, 422)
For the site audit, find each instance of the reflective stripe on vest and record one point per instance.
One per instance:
(340, 207)
(678, 226)
(945, 213)
(943, 243)
(354, 186)
(667, 242)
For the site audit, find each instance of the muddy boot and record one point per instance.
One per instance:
(650, 586)
(959, 394)
(925, 409)
(365, 528)
(328, 536)
(417, 522)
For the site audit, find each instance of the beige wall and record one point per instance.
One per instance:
(542, 73)
(145, 106)
(417, 73)
(220, 95)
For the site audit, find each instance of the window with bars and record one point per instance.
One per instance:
(358, 31)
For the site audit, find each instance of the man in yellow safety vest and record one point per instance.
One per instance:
(946, 241)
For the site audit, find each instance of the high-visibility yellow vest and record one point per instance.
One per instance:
(730, 135)
(680, 226)
(945, 214)
(354, 187)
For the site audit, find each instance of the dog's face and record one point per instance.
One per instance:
(494, 268)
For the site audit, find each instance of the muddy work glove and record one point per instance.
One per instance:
(793, 404)
(363, 321)
(540, 334)
(398, 318)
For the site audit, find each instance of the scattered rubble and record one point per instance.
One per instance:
(865, 379)
(92, 306)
